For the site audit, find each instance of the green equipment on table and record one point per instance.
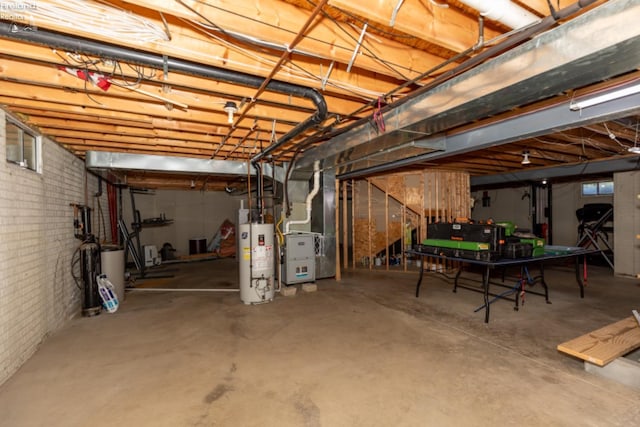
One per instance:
(537, 243)
(457, 244)
(457, 249)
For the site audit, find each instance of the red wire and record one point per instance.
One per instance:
(378, 117)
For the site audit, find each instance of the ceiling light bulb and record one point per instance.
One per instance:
(525, 158)
(230, 107)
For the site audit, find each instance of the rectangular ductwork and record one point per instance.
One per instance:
(575, 54)
(98, 161)
(323, 222)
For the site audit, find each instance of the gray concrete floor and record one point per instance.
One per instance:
(360, 352)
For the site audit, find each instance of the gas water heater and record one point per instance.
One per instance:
(257, 260)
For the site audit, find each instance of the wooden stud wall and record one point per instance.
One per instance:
(382, 205)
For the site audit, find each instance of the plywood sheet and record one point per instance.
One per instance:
(605, 344)
(383, 203)
(363, 230)
(414, 192)
(380, 182)
(396, 187)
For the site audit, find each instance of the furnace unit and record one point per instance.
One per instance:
(299, 259)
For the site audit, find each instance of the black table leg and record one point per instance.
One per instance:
(485, 285)
(544, 283)
(520, 288)
(420, 278)
(579, 277)
(455, 281)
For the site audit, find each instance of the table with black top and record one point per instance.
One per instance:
(578, 253)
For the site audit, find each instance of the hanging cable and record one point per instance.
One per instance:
(378, 118)
(368, 52)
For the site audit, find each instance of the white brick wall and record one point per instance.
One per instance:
(37, 291)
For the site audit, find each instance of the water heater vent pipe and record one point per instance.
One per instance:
(310, 196)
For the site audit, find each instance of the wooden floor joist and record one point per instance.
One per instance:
(605, 344)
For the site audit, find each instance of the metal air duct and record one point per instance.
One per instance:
(578, 53)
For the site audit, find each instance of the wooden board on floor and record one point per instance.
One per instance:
(198, 256)
(605, 344)
(152, 283)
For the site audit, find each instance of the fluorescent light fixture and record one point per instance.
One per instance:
(607, 96)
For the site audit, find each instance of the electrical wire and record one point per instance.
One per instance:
(613, 137)
(368, 95)
(311, 79)
(390, 66)
(365, 94)
(371, 54)
(89, 66)
(75, 260)
(101, 221)
(581, 141)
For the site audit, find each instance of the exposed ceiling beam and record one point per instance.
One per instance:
(327, 40)
(572, 55)
(582, 169)
(12, 49)
(191, 44)
(446, 27)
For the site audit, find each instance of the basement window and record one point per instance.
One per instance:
(599, 188)
(22, 145)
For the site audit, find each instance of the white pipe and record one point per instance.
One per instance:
(503, 11)
(181, 290)
(310, 196)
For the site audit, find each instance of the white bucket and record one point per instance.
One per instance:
(112, 262)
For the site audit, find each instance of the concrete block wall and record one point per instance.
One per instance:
(507, 204)
(512, 204)
(37, 291)
(566, 199)
(626, 213)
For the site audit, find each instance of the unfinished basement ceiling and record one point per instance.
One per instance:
(151, 77)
